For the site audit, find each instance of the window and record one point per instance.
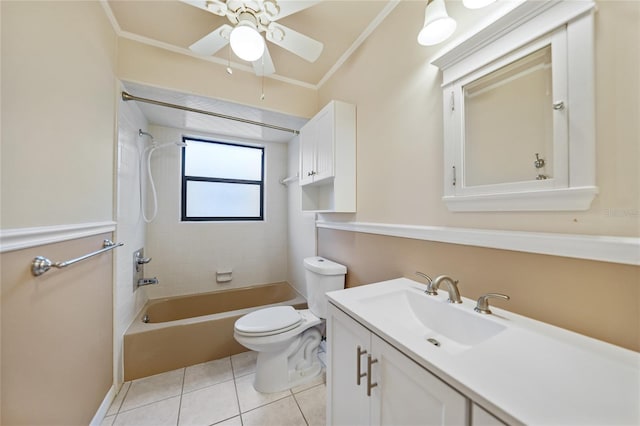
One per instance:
(221, 181)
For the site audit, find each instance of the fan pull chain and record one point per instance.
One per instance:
(229, 70)
(262, 95)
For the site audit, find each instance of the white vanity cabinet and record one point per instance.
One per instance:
(370, 382)
(327, 167)
(480, 417)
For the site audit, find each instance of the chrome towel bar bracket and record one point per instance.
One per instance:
(41, 264)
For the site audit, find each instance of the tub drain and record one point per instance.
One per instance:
(145, 318)
(433, 341)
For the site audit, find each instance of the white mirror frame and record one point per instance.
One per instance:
(520, 28)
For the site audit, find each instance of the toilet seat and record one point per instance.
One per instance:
(268, 321)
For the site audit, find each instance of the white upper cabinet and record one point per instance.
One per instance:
(519, 111)
(317, 141)
(328, 159)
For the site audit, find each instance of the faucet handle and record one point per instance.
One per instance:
(430, 291)
(483, 302)
(143, 260)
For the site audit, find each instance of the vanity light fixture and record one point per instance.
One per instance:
(476, 4)
(246, 41)
(438, 25)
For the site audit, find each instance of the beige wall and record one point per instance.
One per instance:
(56, 335)
(141, 63)
(598, 299)
(57, 168)
(400, 147)
(399, 160)
(58, 104)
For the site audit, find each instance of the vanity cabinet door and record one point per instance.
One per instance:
(480, 417)
(407, 394)
(391, 390)
(347, 401)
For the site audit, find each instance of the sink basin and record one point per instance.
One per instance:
(453, 327)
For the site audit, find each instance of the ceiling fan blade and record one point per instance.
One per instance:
(295, 42)
(216, 7)
(212, 42)
(289, 7)
(264, 65)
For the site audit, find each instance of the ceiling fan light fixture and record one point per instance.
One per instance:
(476, 4)
(438, 25)
(246, 42)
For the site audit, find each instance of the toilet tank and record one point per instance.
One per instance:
(322, 275)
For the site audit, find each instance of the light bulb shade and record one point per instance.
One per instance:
(246, 42)
(438, 25)
(476, 4)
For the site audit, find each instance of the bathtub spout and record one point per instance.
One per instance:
(147, 281)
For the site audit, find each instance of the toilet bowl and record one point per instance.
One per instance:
(287, 339)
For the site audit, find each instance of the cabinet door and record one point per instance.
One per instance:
(407, 394)
(480, 417)
(347, 402)
(307, 138)
(325, 127)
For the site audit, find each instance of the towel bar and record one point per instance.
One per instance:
(41, 264)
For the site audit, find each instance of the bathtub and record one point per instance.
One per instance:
(188, 330)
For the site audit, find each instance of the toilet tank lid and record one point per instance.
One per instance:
(323, 266)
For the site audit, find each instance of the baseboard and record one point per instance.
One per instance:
(104, 407)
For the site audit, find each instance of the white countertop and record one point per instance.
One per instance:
(531, 372)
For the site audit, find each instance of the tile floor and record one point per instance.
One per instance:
(218, 392)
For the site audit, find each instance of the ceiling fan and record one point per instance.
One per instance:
(249, 18)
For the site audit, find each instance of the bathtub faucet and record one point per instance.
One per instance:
(147, 281)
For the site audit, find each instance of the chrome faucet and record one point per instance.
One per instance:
(452, 288)
(425, 276)
(483, 302)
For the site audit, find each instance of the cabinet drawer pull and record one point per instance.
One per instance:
(370, 385)
(359, 374)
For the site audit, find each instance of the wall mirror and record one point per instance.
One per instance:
(519, 111)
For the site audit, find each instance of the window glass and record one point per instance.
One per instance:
(222, 181)
(219, 160)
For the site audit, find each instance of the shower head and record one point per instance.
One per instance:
(141, 133)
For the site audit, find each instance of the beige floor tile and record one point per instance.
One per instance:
(206, 374)
(235, 421)
(117, 401)
(250, 398)
(313, 403)
(108, 420)
(209, 405)
(244, 363)
(154, 388)
(318, 380)
(281, 413)
(161, 413)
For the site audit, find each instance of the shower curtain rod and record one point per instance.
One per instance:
(128, 97)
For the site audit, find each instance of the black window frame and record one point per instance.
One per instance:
(185, 179)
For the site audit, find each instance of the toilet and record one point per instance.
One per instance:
(287, 339)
